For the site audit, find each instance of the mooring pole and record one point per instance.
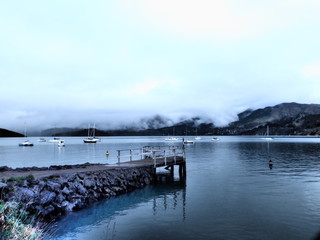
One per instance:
(118, 156)
(172, 170)
(154, 159)
(165, 158)
(183, 152)
(180, 171)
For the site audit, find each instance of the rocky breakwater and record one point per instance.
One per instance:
(53, 196)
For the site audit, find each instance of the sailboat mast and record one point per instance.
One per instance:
(25, 129)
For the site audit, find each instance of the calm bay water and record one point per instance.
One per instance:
(230, 191)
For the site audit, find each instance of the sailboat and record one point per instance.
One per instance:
(91, 135)
(267, 135)
(61, 143)
(171, 138)
(186, 141)
(55, 139)
(26, 142)
(215, 139)
(197, 137)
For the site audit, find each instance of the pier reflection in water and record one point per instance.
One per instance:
(107, 219)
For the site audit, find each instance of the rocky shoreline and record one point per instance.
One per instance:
(70, 187)
(50, 168)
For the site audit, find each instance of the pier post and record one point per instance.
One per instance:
(141, 153)
(172, 171)
(130, 155)
(165, 158)
(182, 171)
(154, 159)
(118, 156)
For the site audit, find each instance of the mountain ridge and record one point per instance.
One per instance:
(9, 133)
(283, 119)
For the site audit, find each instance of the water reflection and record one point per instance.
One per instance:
(176, 200)
(102, 218)
(298, 159)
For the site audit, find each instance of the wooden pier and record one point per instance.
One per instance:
(156, 157)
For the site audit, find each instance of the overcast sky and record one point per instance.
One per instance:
(74, 62)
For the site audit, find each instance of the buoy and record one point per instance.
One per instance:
(107, 153)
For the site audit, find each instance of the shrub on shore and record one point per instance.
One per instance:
(15, 223)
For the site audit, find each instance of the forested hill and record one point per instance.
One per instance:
(8, 133)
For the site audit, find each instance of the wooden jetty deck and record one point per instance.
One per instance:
(154, 156)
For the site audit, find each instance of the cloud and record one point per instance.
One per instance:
(225, 21)
(144, 87)
(151, 85)
(117, 62)
(217, 19)
(311, 70)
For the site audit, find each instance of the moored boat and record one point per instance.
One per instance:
(91, 135)
(171, 139)
(61, 143)
(268, 138)
(26, 143)
(188, 142)
(90, 140)
(197, 137)
(54, 140)
(215, 139)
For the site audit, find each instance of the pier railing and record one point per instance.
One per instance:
(151, 152)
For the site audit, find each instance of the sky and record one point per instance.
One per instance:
(67, 63)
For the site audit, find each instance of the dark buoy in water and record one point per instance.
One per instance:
(107, 153)
(270, 164)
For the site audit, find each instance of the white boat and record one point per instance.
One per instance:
(91, 135)
(215, 139)
(268, 138)
(54, 140)
(197, 137)
(42, 140)
(171, 139)
(90, 140)
(26, 142)
(61, 143)
(188, 142)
